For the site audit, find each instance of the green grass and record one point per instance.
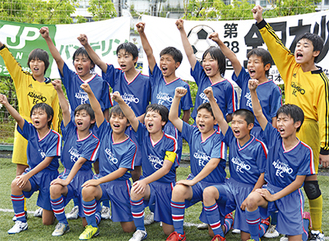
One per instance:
(108, 229)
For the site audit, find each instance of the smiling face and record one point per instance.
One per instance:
(153, 122)
(40, 118)
(82, 65)
(37, 67)
(126, 61)
(82, 120)
(118, 123)
(256, 67)
(210, 66)
(240, 128)
(304, 51)
(205, 122)
(168, 65)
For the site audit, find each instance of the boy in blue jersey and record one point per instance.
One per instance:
(210, 73)
(116, 157)
(289, 161)
(80, 150)
(159, 167)
(247, 157)
(207, 160)
(43, 152)
(164, 82)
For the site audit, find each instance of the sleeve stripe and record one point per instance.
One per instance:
(326, 120)
(312, 168)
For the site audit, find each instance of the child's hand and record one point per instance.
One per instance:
(92, 182)
(117, 97)
(252, 84)
(180, 24)
(83, 39)
(59, 181)
(266, 194)
(209, 93)
(3, 99)
(86, 88)
(140, 27)
(44, 31)
(180, 92)
(214, 37)
(57, 83)
(257, 12)
(139, 187)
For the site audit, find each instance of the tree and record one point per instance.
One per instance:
(102, 9)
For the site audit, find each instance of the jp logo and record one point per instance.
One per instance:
(155, 161)
(281, 168)
(240, 165)
(202, 158)
(111, 156)
(19, 35)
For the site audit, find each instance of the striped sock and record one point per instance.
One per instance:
(98, 217)
(178, 210)
(58, 207)
(253, 220)
(213, 217)
(89, 209)
(18, 205)
(137, 210)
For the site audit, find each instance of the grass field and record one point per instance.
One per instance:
(108, 229)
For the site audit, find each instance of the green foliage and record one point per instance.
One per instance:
(81, 19)
(102, 9)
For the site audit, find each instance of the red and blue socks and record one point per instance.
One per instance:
(137, 210)
(18, 205)
(214, 219)
(89, 209)
(177, 213)
(58, 207)
(253, 220)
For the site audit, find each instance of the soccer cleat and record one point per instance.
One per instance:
(284, 238)
(139, 235)
(14, 218)
(202, 226)
(271, 232)
(316, 235)
(236, 231)
(307, 215)
(74, 214)
(265, 221)
(38, 213)
(251, 239)
(149, 219)
(106, 213)
(89, 232)
(217, 237)
(174, 236)
(18, 227)
(60, 229)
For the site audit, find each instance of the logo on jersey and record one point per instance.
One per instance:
(202, 158)
(297, 89)
(74, 154)
(240, 166)
(83, 96)
(129, 98)
(248, 97)
(155, 161)
(204, 98)
(281, 168)
(42, 153)
(111, 156)
(37, 98)
(163, 97)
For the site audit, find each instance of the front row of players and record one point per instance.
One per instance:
(250, 164)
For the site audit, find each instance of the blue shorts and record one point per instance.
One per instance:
(290, 209)
(159, 202)
(170, 129)
(118, 192)
(41, 182)
(74, 188)
(131, 133)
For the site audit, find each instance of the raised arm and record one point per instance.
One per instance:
(173, 113)
(62, 101)
(92, 54)
(256, 107)
(12, 111)
(44, 31)
(127, 111)
(99, 117)
(257, 13)
(186, 44)
(146, 45)
(227, 52)
(218, 114)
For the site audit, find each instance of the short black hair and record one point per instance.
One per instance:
(82, 51)
(129, 48)
(218, 55)
(41, 55)
(265, 56)
(294, 111)
(206, 106)
(88, 109)
(47, 108)
(246, 114)
(316, 40)
(117, 110)
(161, 109)
(175, 53)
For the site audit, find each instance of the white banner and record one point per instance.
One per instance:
(239, 36)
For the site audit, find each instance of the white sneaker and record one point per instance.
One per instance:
(271, 232)
(202, 226)
(284, 238)
(236, 231)
(74, 214)
(139, 235)
(149, 219)
(315, 235)
(18, 227)
(60, 229)
(106, 213)
(38, 213)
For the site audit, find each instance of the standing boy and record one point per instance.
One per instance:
(159, 167)
(208, 155)
(307, 87)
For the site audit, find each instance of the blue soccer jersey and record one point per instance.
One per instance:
(113, 156)
(283, 165)
(247, 162)
(224, 92)
(74, 147)
(38, 149)
(201, 151)
(163, 92)
(269, 95)
(78, 96)
(154, 153)
(136, 94)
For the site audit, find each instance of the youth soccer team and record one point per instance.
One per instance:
(274, 149)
